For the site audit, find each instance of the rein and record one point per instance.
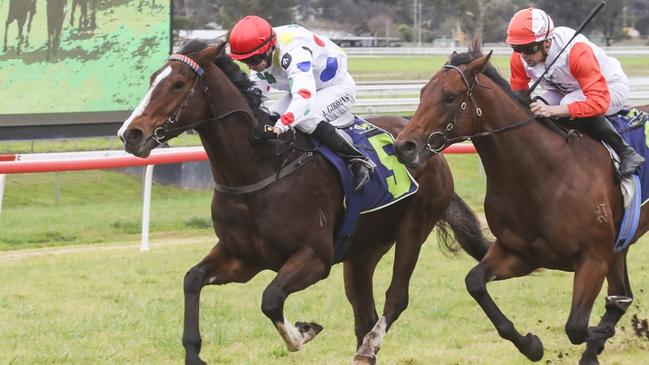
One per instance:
(161, 134)
(445, 141)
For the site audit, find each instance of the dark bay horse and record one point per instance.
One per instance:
(551, 202)
(287, 226)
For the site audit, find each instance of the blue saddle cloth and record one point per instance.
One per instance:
(632, 126)
(389, 183)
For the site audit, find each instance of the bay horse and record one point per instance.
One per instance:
(287, 226)
(551, 202)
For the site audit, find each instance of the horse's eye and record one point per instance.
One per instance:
(178, 85)
(449, 98)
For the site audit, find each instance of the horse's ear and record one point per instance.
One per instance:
(479, 64)
(211, 53)
(476, 45)
(448, 60)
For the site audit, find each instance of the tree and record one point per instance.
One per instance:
(277, 12)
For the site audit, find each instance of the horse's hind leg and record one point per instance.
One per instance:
(300, 271)
(618, 300)
(216, 268)
(500, 265)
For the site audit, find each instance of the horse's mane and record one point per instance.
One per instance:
(237, 77)
(467, 57)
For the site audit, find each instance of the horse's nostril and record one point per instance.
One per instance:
(406, 150)
(132, 136)
(409, 146)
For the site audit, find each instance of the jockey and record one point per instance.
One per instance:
(583, 84)
(314, 72)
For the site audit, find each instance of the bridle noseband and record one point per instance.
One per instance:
(445, 141)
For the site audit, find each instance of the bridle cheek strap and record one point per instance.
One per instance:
(445, 141)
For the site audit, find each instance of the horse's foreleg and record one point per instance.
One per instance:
(300, 271)
(588, 280)
(618, 300)
(20, 36)
(216, 268)
(500, 265)
(358, 273)
(396, 297)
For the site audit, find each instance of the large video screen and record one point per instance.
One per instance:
(80, 57)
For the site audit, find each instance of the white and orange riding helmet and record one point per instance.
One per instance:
(529, 25)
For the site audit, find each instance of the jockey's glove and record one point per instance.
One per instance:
(264, 133)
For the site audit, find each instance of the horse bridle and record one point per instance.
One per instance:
(161, 134)
(445, 141)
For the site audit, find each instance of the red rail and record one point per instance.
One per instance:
(13, 164)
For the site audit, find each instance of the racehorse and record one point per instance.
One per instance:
(21, 11)
(551, 201)
(287, 226)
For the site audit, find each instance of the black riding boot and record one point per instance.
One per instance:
(600, 127)
(360, 166)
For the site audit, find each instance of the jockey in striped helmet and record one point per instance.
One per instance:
(584, 83)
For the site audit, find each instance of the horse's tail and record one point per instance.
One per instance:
(466, 229)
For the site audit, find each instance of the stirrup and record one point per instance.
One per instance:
(362, 171)
(367, 162)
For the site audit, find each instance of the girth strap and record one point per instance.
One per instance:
(288, 169)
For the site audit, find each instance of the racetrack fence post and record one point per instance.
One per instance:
(3, 177)
(146, 206)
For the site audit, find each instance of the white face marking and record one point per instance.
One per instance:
(145, 101)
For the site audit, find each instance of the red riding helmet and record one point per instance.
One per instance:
(529, 26)
(251, 36)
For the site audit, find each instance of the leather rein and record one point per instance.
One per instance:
(444, 141)
(161, 134)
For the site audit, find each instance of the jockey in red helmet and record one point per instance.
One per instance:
(313, 71)
(583, 83)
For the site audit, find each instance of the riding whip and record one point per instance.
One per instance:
(577, 32)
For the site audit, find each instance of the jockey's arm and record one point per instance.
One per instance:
(520, 82)
(585, 68)
(298, 65)
(518, 78)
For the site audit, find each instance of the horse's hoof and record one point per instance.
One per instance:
(588, 358)
(308, 330)
(195, 361)
(532, 347)
(364, 360)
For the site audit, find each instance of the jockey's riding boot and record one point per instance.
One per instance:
(360, 166)
(600, 127)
